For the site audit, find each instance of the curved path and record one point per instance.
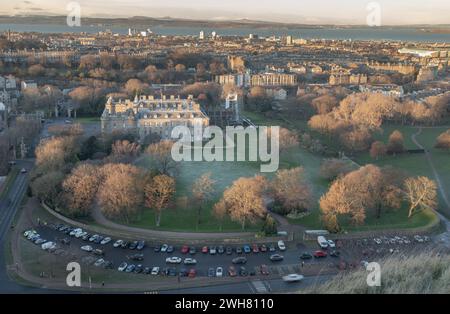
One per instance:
(103, 221)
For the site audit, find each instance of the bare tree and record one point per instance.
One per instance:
(377, 150)
(161, 155)
(202, 191)
(291, 190)
(396, 143)
(80, 189)
(120, 193)
(421, 193)
(158, 194)
(443, 140)
(244, 200)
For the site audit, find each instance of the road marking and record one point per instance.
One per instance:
(259, 286)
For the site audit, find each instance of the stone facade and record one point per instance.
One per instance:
(147, 114)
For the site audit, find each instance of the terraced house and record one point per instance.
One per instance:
(148, 114)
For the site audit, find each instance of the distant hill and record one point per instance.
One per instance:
(144, 22)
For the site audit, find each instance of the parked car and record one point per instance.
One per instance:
(211, 272)
(323, 243)
(108, 265)
(99, 262)
(229, 250)
(40, 241)
(263, 248)
(155, 271)
(136, 257)
(171, 272)
(133, 245)
(99, 239)
(276, 257)
(192, 250)
(87, 248)
(75, 231)
(183, 272)
(130, 268)
(320, 254)
(331, 244)
(264, 270)
(164, 248)
(48, 245)
(243, 271)
(293, 278)
(335, 253)
(255, 248)
(118, 243)
(122, 266)
(306, 255)
(105, 241)
(147, 271)
(239, 250)
(219, 272)
(192, 273)
(272, 248)
(85, 237)
(173, 260)
(220, 249)
(232, 271)
(124, 244)
(281, 245)
(170, 249)
(98, 252)
(239, 260)
(189, 261)
(138, 269)
(157, 248)
(184, 249)
(246, 249)
(204, 249)
(141, 245)
(93, 237)
(212, 250)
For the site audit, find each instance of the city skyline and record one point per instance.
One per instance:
(288, 11)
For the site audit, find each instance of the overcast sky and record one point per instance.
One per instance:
(298, 11)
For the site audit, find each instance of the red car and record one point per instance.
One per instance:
(255, 248)
(263, 248)
(232, 271)
(185, 249)
(319, 254)
(192, 273)
(264, 270)
(205, 249)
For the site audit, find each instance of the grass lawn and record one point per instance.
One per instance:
(87, 120)
(412, 164)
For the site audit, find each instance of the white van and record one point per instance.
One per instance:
(323, 243)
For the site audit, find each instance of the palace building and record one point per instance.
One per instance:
(148, 114)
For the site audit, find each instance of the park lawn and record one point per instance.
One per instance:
(87, 120)
(417, 164)
(393, 219)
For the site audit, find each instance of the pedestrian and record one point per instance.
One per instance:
(103, 283)
(303, 264)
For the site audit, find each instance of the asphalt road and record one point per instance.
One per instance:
(8, 208)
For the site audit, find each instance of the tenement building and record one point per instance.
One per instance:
(150, 115)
